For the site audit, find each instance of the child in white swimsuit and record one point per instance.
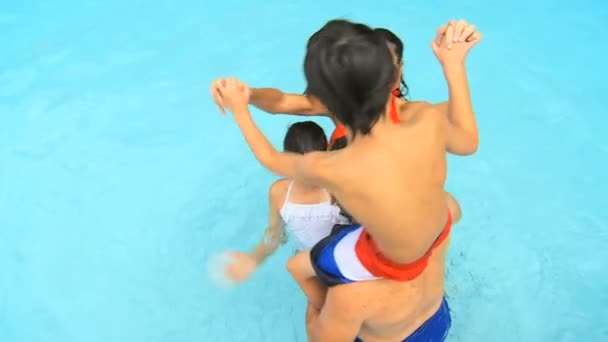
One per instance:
(307, 212)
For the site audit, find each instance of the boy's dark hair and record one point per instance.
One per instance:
(339, 144)
(303, 137)
(351, 74)
(332, 31)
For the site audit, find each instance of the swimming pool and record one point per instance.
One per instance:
(119, 179)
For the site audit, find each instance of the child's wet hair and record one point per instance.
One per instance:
(339, 144)
(303, 137)
(397, 47)
(351, 73)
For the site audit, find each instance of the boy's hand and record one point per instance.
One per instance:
(215, 94)
(454, 41)
(232, 94)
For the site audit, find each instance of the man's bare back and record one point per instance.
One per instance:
(393, 310)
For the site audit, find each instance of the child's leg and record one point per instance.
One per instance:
(301, 270)
(454, 207)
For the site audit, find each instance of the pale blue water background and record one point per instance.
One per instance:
(119, 179)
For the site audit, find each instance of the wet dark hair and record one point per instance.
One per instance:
(339, 144)
(333, 31)
(352, 74)
(304, 137)
(392, 38)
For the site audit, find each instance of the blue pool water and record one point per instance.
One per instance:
(119, 179)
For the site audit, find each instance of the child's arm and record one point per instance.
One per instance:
(463, 136)
(274, 101)
(311, 168)
(306, 168)
(275, 234)
(243, 265)
(302, 272)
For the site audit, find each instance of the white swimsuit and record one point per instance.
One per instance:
(310, 223)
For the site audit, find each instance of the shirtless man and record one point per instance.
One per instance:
(391, 177)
